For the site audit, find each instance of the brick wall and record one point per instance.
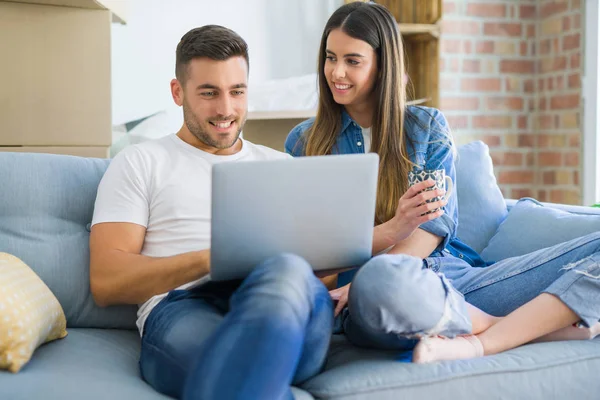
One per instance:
(510, 76)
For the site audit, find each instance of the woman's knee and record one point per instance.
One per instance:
(394, 293)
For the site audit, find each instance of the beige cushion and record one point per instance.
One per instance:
(30, 315)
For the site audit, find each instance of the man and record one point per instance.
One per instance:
(150, 244)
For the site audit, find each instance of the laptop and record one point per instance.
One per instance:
(321, 208)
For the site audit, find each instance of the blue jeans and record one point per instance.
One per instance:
(395, 299)
(240, 340)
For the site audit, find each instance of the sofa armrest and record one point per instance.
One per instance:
(581, 210)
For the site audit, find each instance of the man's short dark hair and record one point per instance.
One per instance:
(211, 41)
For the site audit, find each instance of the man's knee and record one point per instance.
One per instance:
(394, 293)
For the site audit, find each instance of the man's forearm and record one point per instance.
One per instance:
(126, 278)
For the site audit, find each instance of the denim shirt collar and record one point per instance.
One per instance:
(346, 120)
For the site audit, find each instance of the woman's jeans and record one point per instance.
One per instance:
(240, 340)
(395, 299)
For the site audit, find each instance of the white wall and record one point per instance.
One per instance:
(283, 37)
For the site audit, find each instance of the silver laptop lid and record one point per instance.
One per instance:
(320, 208)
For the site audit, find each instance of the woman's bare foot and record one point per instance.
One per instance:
(431, 349)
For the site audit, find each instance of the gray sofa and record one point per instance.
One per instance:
(45, 212)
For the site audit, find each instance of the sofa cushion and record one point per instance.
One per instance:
(559, 370)
(87, 364)
(47, 205)
(30, 315)
(531, 226)
(481, 206)
(91, 364)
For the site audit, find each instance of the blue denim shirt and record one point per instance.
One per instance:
(430, 148)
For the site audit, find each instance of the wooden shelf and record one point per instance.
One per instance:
(416, 29)
(116, 7)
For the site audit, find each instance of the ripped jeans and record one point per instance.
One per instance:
(396, 299)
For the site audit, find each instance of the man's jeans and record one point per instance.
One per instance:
(395, 299)
(226, 340)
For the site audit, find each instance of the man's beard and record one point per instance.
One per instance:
(196, 129)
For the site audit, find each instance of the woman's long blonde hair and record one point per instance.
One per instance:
(375, 25)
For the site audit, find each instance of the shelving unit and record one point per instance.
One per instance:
(419, 24)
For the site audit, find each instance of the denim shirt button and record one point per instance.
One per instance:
(359, 143)
(461, 256)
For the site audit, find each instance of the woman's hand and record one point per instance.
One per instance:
(340, 295)
(412, 207)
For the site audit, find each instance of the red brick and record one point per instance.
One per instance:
(457, 121)
(485, 47)
(529, 86)
(523, 122)
(486, 10)
(515, 177)
(492, 140)
(512, 159)
(553, 64)
(505, 103)
(576, 178)
(546, 141)
(574, 81)
(576, 60)
(467, 47)
(471, 66)
(553, 8)
(524, 48)
(451, 46)
(564, 102)
(530, 159)
(545, 46)
(542, 195)
(571, 42)
(576, 5)
(449, 7)
(528, 12)
(502, 29)
(461, 27)
(572, 159)
(566, 23)
(541, 84)
(542, 104)
(560, 83)
(481, 84)
(526, 140)
(550, 159)
(531, 31)
(551, 83)
(545, 122)
(517, 66)
(577, 21)
(492, 122)
(575, 140)
(459, 103)
(520, 193)
(448, 84)
(549, 178)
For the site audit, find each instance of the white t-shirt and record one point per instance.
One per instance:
(366, 132)
(165, 186)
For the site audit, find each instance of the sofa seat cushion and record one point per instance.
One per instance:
(543, 371)
(87, 364)
(91, 364)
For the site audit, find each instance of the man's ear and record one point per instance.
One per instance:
(177, 92)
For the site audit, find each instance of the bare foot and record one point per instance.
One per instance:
(431, 349)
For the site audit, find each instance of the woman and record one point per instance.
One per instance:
(413, 295)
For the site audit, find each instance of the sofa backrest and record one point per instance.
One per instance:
(47, 202)
(46, 207)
